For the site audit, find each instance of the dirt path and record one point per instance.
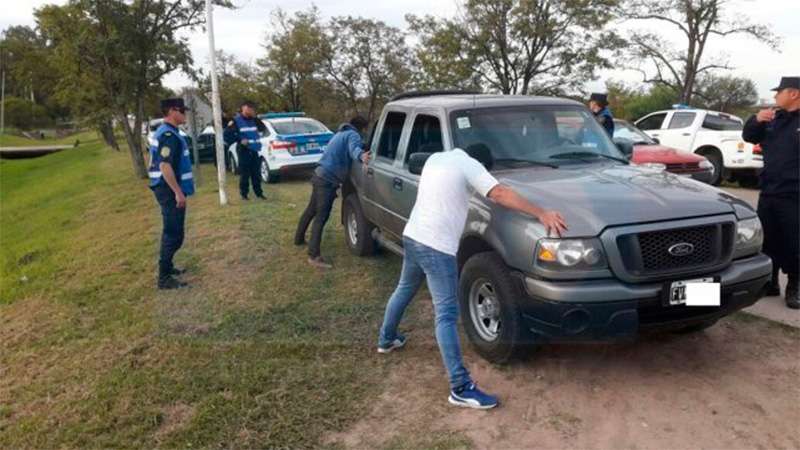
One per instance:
(734, 386)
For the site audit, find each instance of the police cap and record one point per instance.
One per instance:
(788, 83)
(169, 103)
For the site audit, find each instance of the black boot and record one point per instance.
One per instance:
(170, 283)
(773, 288)
(792, 294)
(177, 271)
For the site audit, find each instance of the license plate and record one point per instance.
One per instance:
(678, 290)
(299, 151)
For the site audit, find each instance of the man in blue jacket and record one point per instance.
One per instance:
(245, 130)
(598, 103)
(345, 147)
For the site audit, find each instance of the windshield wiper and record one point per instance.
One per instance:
(526, 161)
(579, 155)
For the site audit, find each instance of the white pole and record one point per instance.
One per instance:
(215, 106)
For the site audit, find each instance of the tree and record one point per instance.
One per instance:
(121, 50)
(238, 81)
(368, 62)
(295, 55)
(24, 53)
(696, 21)
(726, 93)
(519, 46)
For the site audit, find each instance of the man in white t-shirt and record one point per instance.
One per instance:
(430, 243)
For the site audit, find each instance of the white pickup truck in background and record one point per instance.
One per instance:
(715, 135)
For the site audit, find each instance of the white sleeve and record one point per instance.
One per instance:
(477, 176)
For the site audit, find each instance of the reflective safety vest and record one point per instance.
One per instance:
(185, 177)
(248, 130)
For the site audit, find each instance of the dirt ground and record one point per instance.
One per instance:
(734, 386)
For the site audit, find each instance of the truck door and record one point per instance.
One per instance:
(679, 130)
(382, 183)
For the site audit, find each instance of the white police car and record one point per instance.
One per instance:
(291, 142)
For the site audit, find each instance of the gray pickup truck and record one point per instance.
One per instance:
(637, 234)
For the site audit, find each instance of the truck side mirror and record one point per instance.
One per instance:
(625, 146)
(417, 161)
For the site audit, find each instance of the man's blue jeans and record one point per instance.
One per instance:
(441, 272)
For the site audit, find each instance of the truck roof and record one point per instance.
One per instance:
(464, 101)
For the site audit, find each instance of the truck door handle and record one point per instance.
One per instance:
(397, 183)
(370, 172)
(686, 134)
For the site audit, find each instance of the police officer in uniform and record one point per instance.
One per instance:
(777, 132)
(170, 173)
(244, 130)
(598, 104)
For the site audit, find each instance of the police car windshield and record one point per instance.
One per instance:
(298, 126)
(542, 134)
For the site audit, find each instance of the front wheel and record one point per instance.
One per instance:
(488, 298)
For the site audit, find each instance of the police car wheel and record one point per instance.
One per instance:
(357, 229)
(719, 170)
(269, 176)
(234, 166)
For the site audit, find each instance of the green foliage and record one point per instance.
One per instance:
(26, 115)
(516, 46)
(630, 103)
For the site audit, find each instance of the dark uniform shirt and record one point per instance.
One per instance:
(231, 133)
(780, 144)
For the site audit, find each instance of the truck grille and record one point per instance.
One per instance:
(648, 253)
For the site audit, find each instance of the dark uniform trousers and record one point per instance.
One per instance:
(323, 193)
(173, 231)
(780, 219)
(249, 171)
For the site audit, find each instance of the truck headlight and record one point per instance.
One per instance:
(579, 254)
(749, 237)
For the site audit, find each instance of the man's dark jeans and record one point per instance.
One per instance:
(323, 194)
(780, 219)
(249, 171)
(173, 230)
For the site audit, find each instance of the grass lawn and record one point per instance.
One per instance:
(261, 351)
(10, 140)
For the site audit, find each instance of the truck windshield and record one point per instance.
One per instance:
(540, 134)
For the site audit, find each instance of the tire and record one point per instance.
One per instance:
(269, 176)
(716, 160)
(357, 229)
(696, 328)
(488, 299)
(233, 165)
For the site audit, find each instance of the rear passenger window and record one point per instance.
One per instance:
(652, 123)
(426, 136)
(390, 135)
(681, 120)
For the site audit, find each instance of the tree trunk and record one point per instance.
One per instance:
(106, 130)
(133, 138)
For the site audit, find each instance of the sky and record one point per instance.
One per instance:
(241, 32)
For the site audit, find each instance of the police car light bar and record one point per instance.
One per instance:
(681, 106)
(281, 115)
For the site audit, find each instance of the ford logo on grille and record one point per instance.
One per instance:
(682, 249)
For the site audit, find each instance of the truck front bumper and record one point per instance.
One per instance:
(610, 309)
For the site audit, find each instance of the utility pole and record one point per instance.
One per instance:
(216, 107)
(193, 131)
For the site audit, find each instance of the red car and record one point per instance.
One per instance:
(648, 150)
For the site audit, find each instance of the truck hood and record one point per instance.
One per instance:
(592, 197)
